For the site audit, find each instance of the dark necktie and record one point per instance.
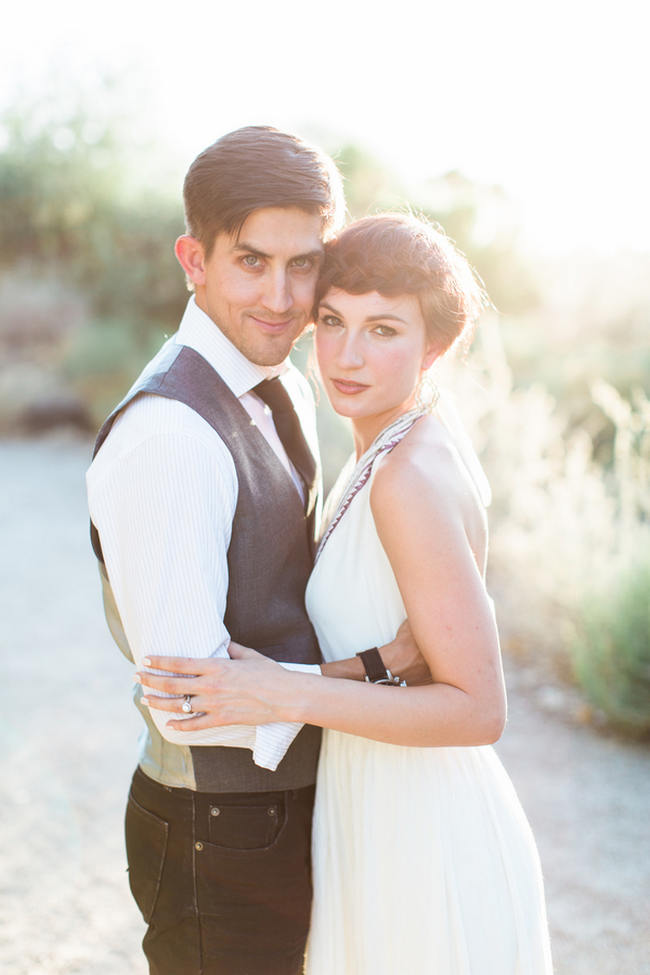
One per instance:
(289, 431)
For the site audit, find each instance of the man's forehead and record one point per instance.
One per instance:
(274, 229)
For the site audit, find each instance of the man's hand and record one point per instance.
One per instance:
(403, 658)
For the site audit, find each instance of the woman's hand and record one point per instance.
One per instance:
(248, 689)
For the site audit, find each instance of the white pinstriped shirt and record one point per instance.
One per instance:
(162, 492)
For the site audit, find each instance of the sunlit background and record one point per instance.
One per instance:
(521, 127)
(547, 100)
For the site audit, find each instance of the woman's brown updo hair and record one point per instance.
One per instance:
(399, 254)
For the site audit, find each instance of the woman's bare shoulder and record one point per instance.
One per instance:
(425, 458)
(425, 473)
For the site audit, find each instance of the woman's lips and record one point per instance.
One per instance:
(347, 387)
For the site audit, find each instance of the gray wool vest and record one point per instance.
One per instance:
(269, 561)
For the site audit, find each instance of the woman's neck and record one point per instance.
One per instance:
(366, 429)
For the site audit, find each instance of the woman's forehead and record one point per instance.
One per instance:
(372, 304)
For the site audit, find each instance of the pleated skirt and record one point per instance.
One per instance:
(424, 862)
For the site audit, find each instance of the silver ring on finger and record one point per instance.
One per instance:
(187, 704)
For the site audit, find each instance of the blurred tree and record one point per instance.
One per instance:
(369, 185)
(484, 223)
(88, 278)
(479, 218)
(68, 207)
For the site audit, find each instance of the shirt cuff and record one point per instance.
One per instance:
(272, 741)
(302, 668)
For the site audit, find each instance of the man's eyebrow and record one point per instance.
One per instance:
(370, 318)
(242, 246)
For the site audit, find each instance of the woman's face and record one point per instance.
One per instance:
(371, 353)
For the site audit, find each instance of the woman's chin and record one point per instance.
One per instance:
(355, 408)
(349, 408)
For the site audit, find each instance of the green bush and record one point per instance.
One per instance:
(611, 654)
(102, 359)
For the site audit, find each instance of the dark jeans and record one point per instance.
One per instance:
(222, 880)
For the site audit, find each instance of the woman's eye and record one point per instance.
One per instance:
(385, 331)
(251, 260)
(331, 320)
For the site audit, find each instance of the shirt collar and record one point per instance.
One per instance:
(199, 332)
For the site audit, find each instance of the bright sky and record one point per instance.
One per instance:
(548, 99)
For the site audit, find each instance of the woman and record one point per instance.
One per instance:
(423, 859)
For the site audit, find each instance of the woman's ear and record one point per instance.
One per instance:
(430, 355)
(191, 257)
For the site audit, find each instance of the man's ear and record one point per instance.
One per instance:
(191, 257)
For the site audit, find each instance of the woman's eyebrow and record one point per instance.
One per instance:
(369, 318)
(324, 304)
(383, 318)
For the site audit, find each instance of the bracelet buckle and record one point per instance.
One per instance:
(376, 671)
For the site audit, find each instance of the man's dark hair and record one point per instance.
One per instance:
(257, 167)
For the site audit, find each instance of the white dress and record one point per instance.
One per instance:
(423, 859)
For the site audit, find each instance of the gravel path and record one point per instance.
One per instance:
(69, 744)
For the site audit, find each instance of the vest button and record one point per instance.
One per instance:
(272, 811)
(214, 811)
(198, 847)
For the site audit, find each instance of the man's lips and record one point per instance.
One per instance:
(348, 387)
(273, 327)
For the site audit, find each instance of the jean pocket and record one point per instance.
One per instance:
(146, 848)
(264, 887)
(245, 827)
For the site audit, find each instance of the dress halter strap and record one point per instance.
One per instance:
(389, 437)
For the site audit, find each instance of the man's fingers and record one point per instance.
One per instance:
(237, 652)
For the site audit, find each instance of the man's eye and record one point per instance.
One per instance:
(251, 260)
(303, 263)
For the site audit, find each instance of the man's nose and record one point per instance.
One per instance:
(278, 297)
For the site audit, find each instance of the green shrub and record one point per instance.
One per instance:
(102, 358)
(611, 654)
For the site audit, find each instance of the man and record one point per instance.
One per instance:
(203, 494)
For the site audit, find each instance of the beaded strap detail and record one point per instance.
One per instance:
(384, 442)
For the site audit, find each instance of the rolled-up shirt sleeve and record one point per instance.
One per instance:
(164, 510)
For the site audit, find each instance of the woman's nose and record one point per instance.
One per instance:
(350, 353)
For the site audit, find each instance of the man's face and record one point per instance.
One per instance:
(258, 287)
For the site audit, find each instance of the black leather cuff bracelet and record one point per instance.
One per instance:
(376, 672)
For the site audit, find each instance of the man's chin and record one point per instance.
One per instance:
(272, 352)
(270, 359)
